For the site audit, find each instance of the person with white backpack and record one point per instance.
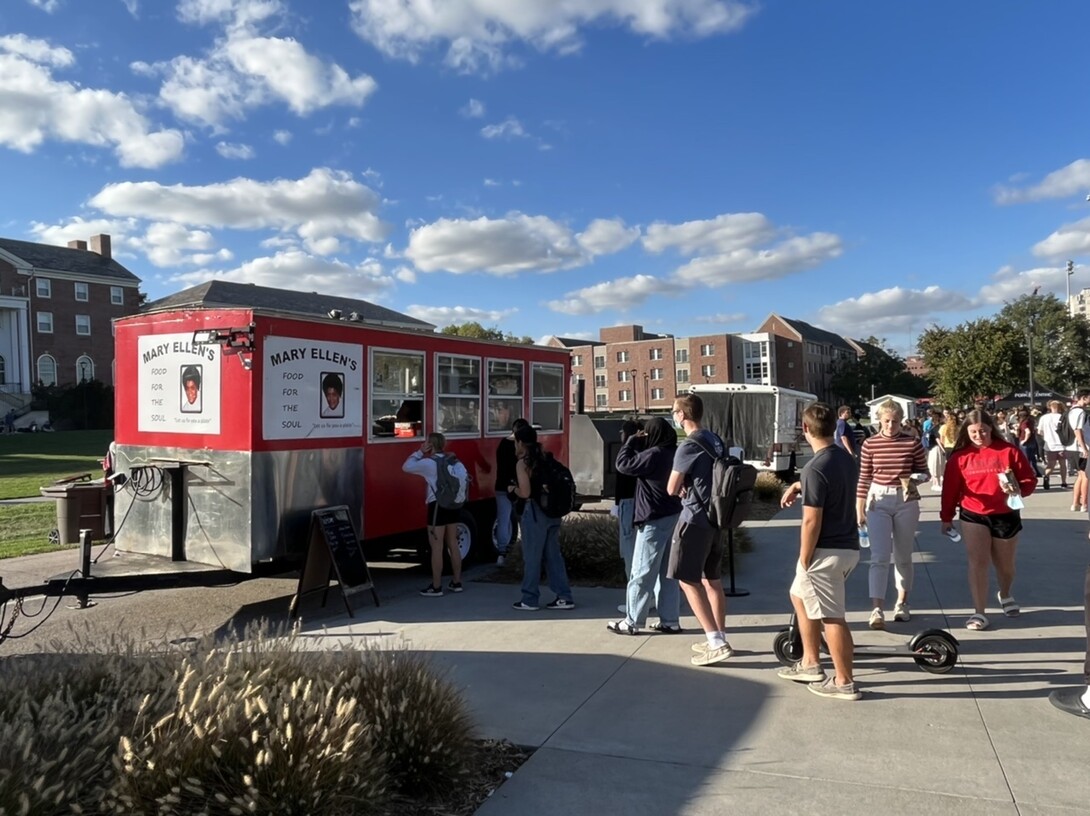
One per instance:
(447, 483)
(1078, 417)
(1057, 434)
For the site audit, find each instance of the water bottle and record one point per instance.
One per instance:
(864, 537)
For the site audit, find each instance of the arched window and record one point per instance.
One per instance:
(47, 370)
(85, 369)
(3, 371)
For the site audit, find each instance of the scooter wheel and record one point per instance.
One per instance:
(935, 654)
(788, 649)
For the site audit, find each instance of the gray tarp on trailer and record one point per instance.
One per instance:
(741, 420)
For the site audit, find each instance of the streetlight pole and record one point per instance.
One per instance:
(646, 392)
(1070, 272)
(1029, 344)
(635, 402)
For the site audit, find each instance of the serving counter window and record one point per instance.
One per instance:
(547, 390)
(458, 395)
(504, 395)
(397, 394)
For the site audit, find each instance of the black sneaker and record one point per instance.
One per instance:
(560, 603)
(453, 587)
(431, 591)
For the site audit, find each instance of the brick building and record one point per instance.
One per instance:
(57, 305)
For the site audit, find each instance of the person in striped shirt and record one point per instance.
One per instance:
(888, 503)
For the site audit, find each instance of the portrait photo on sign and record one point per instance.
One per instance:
(332, 402)
(191, 389)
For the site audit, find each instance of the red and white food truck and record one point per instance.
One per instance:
(240, 409)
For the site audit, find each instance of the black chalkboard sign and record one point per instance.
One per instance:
(333, 553)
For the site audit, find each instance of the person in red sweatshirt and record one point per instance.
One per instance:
(986, 477)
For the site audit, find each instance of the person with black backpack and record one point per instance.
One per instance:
(549, 490)
(447, 486)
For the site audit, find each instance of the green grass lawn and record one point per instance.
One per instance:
(29, 461)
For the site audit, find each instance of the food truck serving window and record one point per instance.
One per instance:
(458, 395)
(504, 394)
(397, 394)
(547, 388)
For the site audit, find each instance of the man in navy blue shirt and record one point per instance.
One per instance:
(844, 436)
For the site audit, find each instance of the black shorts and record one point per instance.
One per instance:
(695, 553)
(446, 515)
(1002, 525)
(1082, 464)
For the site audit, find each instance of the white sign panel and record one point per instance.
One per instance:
(178, 384)
(312, 388)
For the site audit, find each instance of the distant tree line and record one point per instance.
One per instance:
(476, 331)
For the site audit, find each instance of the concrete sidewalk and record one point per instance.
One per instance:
(625, 724)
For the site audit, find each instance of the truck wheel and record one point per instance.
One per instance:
(54, 536)
(468, 545)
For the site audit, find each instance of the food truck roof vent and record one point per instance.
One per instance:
(335, 314)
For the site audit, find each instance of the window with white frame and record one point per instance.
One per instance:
(658, 393)
(83, 325)
(656, 373)
(81, 291)
(707, 371)
(117, 296)
(681, 356)
(547, 396)
(682, 375)
(458, 395)
(600, 362)
(47, 370)
(43, 287)
(756, 371)
(600, 401)
(3, 371)
(504, 381)
(577, 359)
(599, 380)
(85, 369)
(623, 376)
(397, 394)
(624, 396)
(622, 356)
(707, 350)
(45, 322)
(656, 354)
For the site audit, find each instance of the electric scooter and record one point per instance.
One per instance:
(934, 650)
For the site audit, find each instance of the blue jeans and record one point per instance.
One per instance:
(541, 543)
(649, 563)
(504, 513)
(626, 532)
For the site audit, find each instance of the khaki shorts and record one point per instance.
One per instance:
(821, 587)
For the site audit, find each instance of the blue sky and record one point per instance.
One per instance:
(555, 167)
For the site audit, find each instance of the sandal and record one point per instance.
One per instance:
(623, 627)
(666, 630)
(976, 622)
(1010, 607)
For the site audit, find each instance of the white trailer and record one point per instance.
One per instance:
(765, 421)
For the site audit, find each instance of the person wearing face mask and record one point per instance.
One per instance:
(986, 477)
(888, 503)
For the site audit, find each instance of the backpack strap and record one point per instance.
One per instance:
(708, 500)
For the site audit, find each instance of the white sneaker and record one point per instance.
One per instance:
(936, 488)
(877, 619)
(901, 613)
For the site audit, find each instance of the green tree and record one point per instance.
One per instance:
(879, 371)
(978, 358)
(476, 331)
(1060, 341)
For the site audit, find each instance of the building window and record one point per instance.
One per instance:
(681, 356)
(656, 373)
(600, 362)
(658, 394)
(622, 356)
(81, 291)
(83, 325)
(707, 371)
(504, 394)
(656, 354)
(682, 375)
(47, 370)
(117, 296)
(43, 287)
(600, 401)
(3, 371)
(577, 360)
(707, 350)
(756, 371)
(45, 322)
(625, 396)
(458, 395)
(599, 380)
(547, 396)
(397, 394)
(790, 365)
(85, 369)
(623, 376)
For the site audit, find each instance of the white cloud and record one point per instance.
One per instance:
(48, 6)
(235, 13)
(891, 311)
(722, 318)
(169, 244)
(491, 183)
(35, 50)
(132, 6)
(450, 315)
(509, 128)
(1070, 239)
(505, 246)
(751, 264)
(1074, 179)
(405, 274)
(321, 208)
(605, 236)
(479, 34)
(724, 233)
(234, 151)
(81, 229)
(473, 109)
(37, 107)
(282, 137)
(300, 272)
(1009, 284)
(622, 293)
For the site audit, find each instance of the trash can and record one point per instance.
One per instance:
(81, 505)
